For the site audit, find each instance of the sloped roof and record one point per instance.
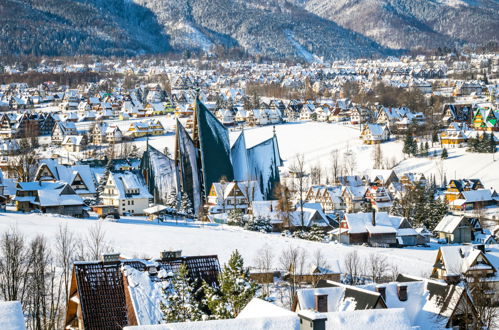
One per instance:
(101, 288)
(449, 223)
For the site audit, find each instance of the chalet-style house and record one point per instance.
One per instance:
(114, 293)
(456, 113)
(226, 196)
(454, 135)
(73, 143)
(329, 197)
(454, 229)
(412, 180)
(374, 134)
(456, 187)
(127, 191)
(379, 198)
(104, 133)
(61, 130)
(456, 262)
(353, 198)
(375, 229)
(380, 177)
(473, 200)
(79, 177)
(49, 197)
(426, 304)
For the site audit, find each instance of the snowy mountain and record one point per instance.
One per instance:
(407, 24)
(305, 29)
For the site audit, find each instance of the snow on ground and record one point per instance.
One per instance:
(133, 237)
(459, 165)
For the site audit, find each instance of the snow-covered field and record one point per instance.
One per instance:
(133, 237)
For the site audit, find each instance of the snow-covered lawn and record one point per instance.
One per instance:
(133, 237)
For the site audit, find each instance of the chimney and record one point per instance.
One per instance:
(152, 270)
(374, 216)
(382, 291)
(321, 303)
(165, 255)
(480, 247)
(110, 257)
(312, 321)
(402, 292)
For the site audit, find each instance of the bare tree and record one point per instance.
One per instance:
(335, 165)
(316, 174)
(298, 169)
(353, 267)
(284, 205)
(292, 259)
(96, 243)
(14, 266)
(377, 157)
(264, 261)
(65, 254)
(377, 266)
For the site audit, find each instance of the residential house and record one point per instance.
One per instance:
(454, 135)
(454, 262)
(374, 134)
(61, 130)
(79, 177)
(226, 196)
(49, 197)
(374, 228)
(473, 200)
(379, 198)
(127, 191)
(485, 119)
(73, 143)
(114, 292)
(454, 229)
(456, 187)
(353, 198)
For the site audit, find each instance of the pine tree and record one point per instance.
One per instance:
(179, 303)
(434, 137)
(316, 233)
(491, 146)
(172, 200)
(186, 205)
(445, 154)
(234, 289)
(260, 224)
(410, 146)
(235, 217)
(102, 182)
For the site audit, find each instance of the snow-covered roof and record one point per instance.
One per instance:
(11, 315)
(423, 304)
(362, 222)
(449, 223)
(127, 181)
(336, 300)
(373, 319)
(146, 295)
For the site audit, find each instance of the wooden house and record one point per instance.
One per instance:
(106, 294)
(454, 229)
(456, 187)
